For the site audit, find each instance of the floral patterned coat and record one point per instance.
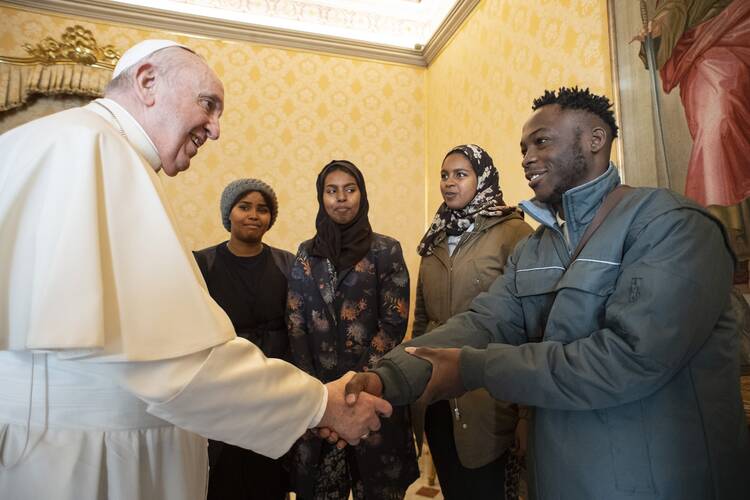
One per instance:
(348, 322)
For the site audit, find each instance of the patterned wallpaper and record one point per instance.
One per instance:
(287, 114)
(480, 87)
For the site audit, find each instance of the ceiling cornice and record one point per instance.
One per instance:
(446, 30)
(231, 30)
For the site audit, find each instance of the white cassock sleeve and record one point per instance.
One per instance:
(230, 393)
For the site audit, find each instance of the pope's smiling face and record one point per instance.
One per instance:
(188, 102)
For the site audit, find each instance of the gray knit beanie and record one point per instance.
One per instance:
(236, 190)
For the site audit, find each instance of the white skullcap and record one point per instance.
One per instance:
(141, 50)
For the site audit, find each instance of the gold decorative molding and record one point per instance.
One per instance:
(191, 24)
(75, 65)
(77, 46)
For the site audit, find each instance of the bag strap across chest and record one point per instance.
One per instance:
(609, 203)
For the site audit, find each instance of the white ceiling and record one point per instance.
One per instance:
(403, 31)
(396, 23)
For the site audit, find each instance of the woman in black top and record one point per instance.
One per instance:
(248, 279)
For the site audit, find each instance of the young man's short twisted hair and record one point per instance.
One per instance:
(583, 99)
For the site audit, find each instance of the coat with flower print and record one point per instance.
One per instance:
(347, 321)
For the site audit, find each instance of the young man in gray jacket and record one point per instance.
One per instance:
(628, 350)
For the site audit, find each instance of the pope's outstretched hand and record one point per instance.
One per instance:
(351, 422)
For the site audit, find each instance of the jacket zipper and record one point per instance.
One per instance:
(461, 243)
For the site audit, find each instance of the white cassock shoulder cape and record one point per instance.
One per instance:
(91, 256)
(92, 271)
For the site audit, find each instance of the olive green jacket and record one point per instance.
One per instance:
(483, 428)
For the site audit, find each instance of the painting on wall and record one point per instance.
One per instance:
(682, 83)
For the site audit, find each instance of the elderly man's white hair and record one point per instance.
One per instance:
(124, 72)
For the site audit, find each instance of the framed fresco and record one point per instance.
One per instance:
(686, 122)
(640, 162)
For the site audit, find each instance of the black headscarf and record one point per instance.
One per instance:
(488, 201)
(343, 244)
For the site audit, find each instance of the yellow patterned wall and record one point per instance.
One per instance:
(287, 114)
(480, 87)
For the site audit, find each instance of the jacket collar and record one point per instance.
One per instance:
(579, 204)
(482, 223)
(128, 126)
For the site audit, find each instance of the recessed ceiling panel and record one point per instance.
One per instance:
(402, 31)
(396, 23)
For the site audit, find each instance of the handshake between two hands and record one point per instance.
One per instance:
(355, 403)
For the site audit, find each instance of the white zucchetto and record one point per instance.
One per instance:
(141, 50)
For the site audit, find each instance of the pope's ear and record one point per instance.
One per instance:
(145, 83)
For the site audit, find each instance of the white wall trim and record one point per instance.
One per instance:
(452, 22)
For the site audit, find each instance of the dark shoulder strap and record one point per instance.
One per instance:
(609, 203)
(283, 260)
(205, 259)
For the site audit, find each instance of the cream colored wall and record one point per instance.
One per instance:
(287, 114)
(480, 87)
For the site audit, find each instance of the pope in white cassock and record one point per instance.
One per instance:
(114, 360)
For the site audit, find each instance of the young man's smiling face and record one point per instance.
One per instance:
(554, 153)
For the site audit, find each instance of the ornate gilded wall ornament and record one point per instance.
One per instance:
(73, 65)
(77, 45)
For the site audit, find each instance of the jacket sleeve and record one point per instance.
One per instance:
(494, 316)
(672, 289)
(393, 302)
(296, 315)
(420, 314)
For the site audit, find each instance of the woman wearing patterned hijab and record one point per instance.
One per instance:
(348, 305)
(463, 251)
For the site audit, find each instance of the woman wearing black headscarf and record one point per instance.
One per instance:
(463, 251)
(348, 305)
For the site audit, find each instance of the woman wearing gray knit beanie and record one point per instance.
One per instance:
(248, 279)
